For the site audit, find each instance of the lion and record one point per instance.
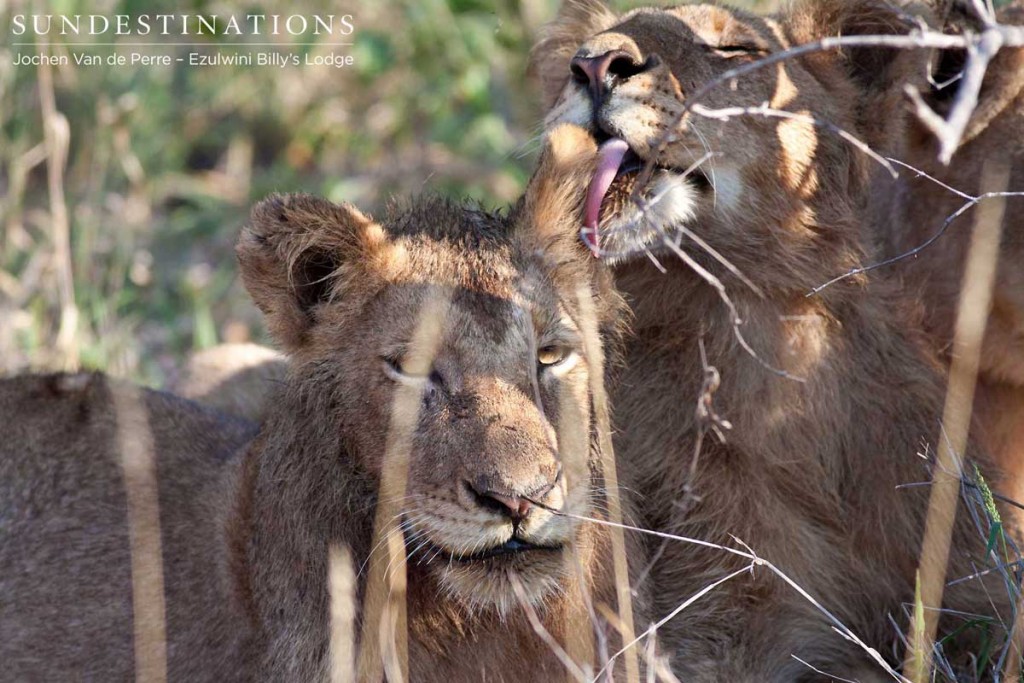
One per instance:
(234, 378)
(503, 463)
(825, 405)
(994, 135)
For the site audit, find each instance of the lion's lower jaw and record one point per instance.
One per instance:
(503, 587)
(670, 202)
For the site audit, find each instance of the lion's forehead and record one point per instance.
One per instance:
(489, 269)
(495, 294)
(700, 24)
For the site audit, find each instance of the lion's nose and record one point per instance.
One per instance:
(601, 73)
(513, 504)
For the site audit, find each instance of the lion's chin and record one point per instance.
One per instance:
(503, 581)
(617, 227)
(629, 229)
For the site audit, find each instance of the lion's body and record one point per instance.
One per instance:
(234, 378)
(66, 566)
(811, 473)
(500, 446)
(65, 571)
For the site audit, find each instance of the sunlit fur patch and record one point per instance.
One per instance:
(572, 107)
(670, 201)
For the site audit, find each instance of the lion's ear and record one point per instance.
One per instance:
(878, 73)
(577, 20)
(296, 254)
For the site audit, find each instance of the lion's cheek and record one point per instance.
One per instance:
(573, 107)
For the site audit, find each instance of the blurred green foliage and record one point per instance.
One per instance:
(163, 162)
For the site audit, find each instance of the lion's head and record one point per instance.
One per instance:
(642, 83)
(503, 386)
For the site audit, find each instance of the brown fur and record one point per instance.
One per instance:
(808, 475)
(994, 133)
(246, 528)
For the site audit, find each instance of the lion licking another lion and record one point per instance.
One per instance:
(824, 402)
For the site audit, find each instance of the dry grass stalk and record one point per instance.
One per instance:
(138, 463)
(1016, 651)
(595, 356)
(975, 299)
(575, 672)
(573, 448)
(57, 137)
(342, 588)
(384, 641)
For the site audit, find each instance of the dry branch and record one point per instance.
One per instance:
(981, 48)
(971, 200)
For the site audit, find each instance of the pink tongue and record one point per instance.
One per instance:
(609, 158)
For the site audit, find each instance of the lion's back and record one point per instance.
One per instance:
(65, 559)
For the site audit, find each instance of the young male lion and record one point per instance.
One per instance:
(500, 465)
(834, 400)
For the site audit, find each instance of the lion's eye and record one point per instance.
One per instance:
(392, 364)
(552, 355)
(738, 50)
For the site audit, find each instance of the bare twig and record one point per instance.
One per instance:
(735, 320)
(755, 561)
(726, 113)
(981, 49)
(674, 245)
(950, 131)
(707, 419)
(970, 202)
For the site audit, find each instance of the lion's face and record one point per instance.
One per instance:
(628, 78)
(486, 471)
(499, 462)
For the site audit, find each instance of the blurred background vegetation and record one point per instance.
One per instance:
(122, 188)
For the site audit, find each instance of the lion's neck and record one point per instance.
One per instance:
(847, 358)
